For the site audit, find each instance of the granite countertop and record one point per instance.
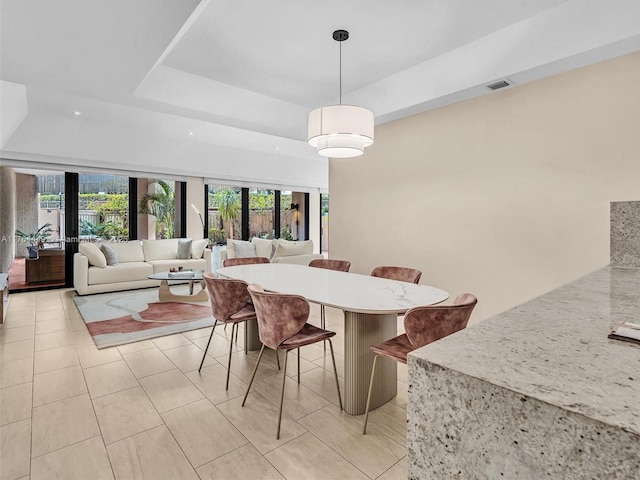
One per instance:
(555, 348)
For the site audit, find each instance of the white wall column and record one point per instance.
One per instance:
(195, 197)
(314, 220)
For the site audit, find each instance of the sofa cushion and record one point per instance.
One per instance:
(264, 247)
(198, 247)
(123, 272)
(110, 254)
(165, 265)
(240, 249)
(93, 253)
(165, 249)
(184, 248)
(128, 251)
(297, 259)
(245, 250)
(285, 248)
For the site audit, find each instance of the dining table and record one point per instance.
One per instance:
(371, 306)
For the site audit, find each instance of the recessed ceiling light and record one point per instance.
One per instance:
(77, 113)
(277, 148)
(190, 133)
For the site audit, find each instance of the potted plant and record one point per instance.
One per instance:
(36, 239)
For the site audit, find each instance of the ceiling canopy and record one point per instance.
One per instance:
(222, 88)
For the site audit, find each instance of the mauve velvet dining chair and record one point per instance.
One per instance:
(229, 304)
(282, 325)
(329, 264)
(232, 262)
(423, 325)
(402, 274)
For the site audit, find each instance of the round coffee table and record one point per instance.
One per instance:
(165, 294)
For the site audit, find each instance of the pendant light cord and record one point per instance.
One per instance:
(340, 72)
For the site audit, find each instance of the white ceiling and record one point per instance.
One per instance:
(221, 88)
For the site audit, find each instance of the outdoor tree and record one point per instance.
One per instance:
(229, 207)
(162, 205)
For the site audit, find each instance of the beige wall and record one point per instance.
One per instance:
(7, 217)
(505, 196)
(195, 197)
(26, 208)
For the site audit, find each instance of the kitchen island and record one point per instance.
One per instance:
(536, 392)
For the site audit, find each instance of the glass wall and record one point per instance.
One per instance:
(224, 213)
(103, 207)
(288, 216)
(39, 257)
(324, 222)
(261, 213)
(157, 201)
(51, 208)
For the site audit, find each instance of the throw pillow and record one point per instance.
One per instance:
(231, 248)
(184, 248)
(198, 247)
(110, 254)
(128, 251)
(245, 250)
(264, 247)
(93, 253)
(288, 249)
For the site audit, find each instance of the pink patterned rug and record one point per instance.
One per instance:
(125, 317)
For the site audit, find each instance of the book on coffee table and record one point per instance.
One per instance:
(626, 332)
(183, 274)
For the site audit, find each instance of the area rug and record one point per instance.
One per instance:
(125, 317)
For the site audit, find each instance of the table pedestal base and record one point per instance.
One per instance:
(165, 294)
(252, 338)
(360, 332)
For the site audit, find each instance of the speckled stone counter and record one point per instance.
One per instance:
(536, 392)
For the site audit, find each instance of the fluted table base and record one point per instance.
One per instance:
(362, 330)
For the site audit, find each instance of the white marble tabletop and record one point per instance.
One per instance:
(555, 348)
(347, 291)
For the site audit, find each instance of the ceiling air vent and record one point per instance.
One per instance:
(499, 85)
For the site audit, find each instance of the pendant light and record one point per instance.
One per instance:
(340, 131)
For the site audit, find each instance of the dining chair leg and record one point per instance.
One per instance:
(215, 322)
(366, 410)
(284, 379)
(253, 376)
(322, 325)
(335, 373)
(298, 365)
(234, 325)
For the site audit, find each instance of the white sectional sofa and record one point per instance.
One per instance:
(132, 262)
(276, 250)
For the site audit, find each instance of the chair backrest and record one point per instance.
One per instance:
(227, 296)
(402, 274)
(424, 325)
(231, 262)
(329, 264)
(280, 315)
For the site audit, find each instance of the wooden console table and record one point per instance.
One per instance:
(48, 267)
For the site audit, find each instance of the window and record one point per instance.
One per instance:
(103, 207)
(224, 213)
(261, 213)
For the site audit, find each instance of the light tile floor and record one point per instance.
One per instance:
(71, 411)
